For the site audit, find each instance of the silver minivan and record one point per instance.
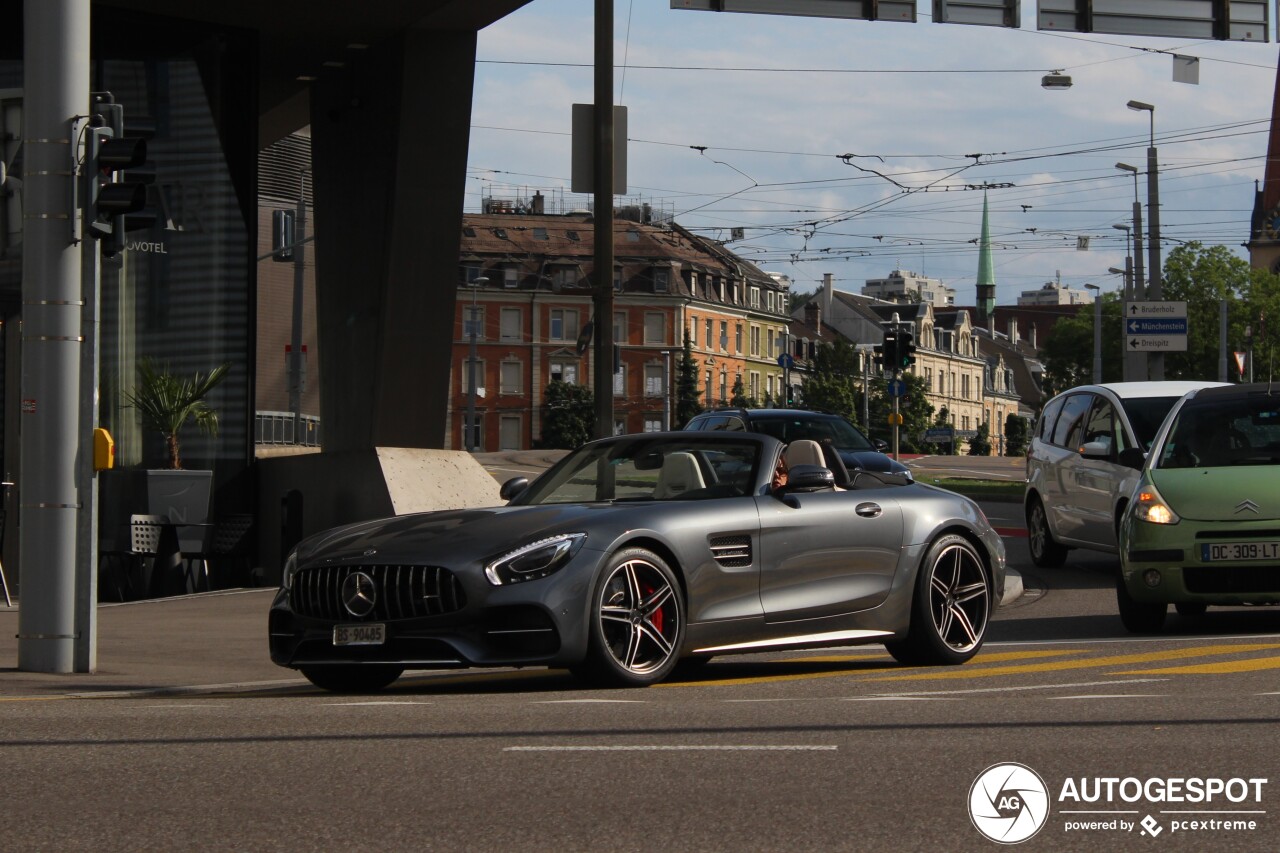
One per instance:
(1083, 461)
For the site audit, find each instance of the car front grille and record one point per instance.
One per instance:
(1237, 579)
(403, 592)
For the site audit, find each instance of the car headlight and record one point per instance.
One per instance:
(535, 560)
(1152, 508)
(290, 569)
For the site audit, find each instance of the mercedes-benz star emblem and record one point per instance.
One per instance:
(359, 594)
(1246, 505)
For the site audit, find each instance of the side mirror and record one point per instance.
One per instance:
(1096, 450)
(1132, 457)
(880, 444)
(810, 478)
(513, 487)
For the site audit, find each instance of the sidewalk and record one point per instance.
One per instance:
(185, 644)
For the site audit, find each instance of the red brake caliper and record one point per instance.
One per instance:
(658, 614)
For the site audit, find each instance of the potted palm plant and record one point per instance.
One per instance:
(166, 404)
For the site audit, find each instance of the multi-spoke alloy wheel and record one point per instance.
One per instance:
(637, 620)
(951, 607)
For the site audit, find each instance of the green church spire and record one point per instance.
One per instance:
(986, 290)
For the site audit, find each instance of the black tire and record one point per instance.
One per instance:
(1045, 552)
(1190, 609)
(1139, 617)
(950, 609)
(637, 622)
(352, 678)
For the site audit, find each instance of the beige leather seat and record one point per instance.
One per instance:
(804, 451)
(680, 473)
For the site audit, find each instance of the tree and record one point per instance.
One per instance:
(166, 403)
(740, 398)
(980, 444)
(1067, 354)
(568, 415)
(1016, 428)
(830, 385)
(687, 392)
(915, 408)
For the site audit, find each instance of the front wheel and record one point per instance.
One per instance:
(950, 609)
(352, 678)
(1139, 617)
(637, 622)
(1045, 551)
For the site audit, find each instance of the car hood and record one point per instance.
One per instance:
(872, 460)
(1241, 493)
(468, 534)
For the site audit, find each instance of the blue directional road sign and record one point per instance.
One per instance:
(786, 361)
(1155, 326)
(897, 388)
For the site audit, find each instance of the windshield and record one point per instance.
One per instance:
(1218, 433)
(840, 432)
(637, 468)
(1145, 416)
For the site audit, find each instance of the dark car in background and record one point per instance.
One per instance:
(856, 450)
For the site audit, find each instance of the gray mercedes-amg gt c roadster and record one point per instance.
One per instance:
(636, 552)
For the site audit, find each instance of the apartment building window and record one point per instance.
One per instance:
(653, 384)
(964, 387)
(754, 384)
(953, 383)
(620, 382)
(510, 379)
(509, 433)
(661, 280)
(724, 387)
(707, 338)
(473, 317)
(769, 299)
(724, 336)
(653, 423)
(512, 324)
(617, 280)
(562, 277)
(655, 327)
(564, 324)
(693, 330)
(620, 327)
(619, 426)
(471, 272)
(564, 371)
(928, 377)
(464, 384)
(511, 277)
(755, 340)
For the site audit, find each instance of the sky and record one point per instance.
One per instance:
(742, 120)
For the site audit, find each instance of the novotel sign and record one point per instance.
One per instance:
(1233, 20)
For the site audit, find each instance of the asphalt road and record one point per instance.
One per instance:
(839, 749)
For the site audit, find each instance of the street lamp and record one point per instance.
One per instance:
(1097, 332)
(1155, 293)
(469, 437)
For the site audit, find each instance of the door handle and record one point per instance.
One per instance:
(868, 510)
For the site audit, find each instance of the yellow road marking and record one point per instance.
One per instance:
(1084, 663)
(1248, 665)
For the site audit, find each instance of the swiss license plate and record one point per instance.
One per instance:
(1239, 552)
(373, 634)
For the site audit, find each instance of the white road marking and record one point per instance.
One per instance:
(1113, 696)
(184, 706)
(359, 705)
(590, 702)
(897, 699)
(673, 748)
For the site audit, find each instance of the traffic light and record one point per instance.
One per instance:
(791, 396)
(906, 350)
(878, 361)
(890, 351)
(107, 196)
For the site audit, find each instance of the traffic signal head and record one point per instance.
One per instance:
(890, 350)
(878, 361)
(107, 196)
(906, 350)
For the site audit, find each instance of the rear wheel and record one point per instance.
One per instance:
(352, 678)
(637, 622)
(1045, 552)
(1139, 617)
(951, 607)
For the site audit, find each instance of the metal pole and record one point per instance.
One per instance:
(1222, 340)
(1155, 291)
(1097, 337)
(866, 391)
(299, 278)
(1136, 360)
(666, 390)
(603, 296)
(86, 606)
(56, 44)
(469, 428)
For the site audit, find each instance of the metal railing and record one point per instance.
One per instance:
(277, 428)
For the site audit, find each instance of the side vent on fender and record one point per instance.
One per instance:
(732, 552)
